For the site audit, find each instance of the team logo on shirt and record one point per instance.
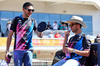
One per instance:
(20, 22)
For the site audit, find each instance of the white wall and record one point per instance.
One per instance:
(42, 7)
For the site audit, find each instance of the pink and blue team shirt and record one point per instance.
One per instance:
(79, 42)
(23, 29)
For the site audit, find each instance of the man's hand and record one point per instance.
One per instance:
(67, 33)
(40, 34)
(68, 50)
(6, 56)
(64, 49)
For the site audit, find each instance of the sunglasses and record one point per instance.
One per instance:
(71, 25)
(30, 10)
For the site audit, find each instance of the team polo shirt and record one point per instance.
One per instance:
(23, 29)
(79, 42)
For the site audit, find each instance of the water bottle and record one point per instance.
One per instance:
(67, 54)
(9, 57)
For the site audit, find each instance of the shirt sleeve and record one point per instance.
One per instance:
(86, 43)
(13, 25)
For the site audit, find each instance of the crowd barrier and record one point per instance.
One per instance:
(44, 50)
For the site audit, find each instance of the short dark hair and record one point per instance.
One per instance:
(80, 25)
(26, 4)
(63, 23)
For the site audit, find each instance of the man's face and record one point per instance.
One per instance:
(73, 27)
(28, 11)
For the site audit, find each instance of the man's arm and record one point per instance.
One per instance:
(64, 43)
(65, 40)
(85, 52)
(9, 38)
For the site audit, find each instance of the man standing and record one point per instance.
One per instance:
(78, 47)
(22, 26)
(55, 26)
(49, 27)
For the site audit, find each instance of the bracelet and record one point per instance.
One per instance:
(7, 51)
(73, 50)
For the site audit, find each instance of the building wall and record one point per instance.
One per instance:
(46, 17)
(71, 9)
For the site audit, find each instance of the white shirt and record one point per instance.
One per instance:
(55, 26)
(8, 26)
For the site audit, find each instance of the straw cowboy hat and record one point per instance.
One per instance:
(9, 22)
(77, 19)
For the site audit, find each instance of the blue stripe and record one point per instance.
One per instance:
(29, 36)
(77, 58)
(78, 46)
(21, 17)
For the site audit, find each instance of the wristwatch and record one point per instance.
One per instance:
(6, 51)
(73, 50)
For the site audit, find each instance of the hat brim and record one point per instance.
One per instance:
(77, 21)
(9, 22)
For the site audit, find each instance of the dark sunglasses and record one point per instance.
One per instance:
(30, 10)
(71, 25)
